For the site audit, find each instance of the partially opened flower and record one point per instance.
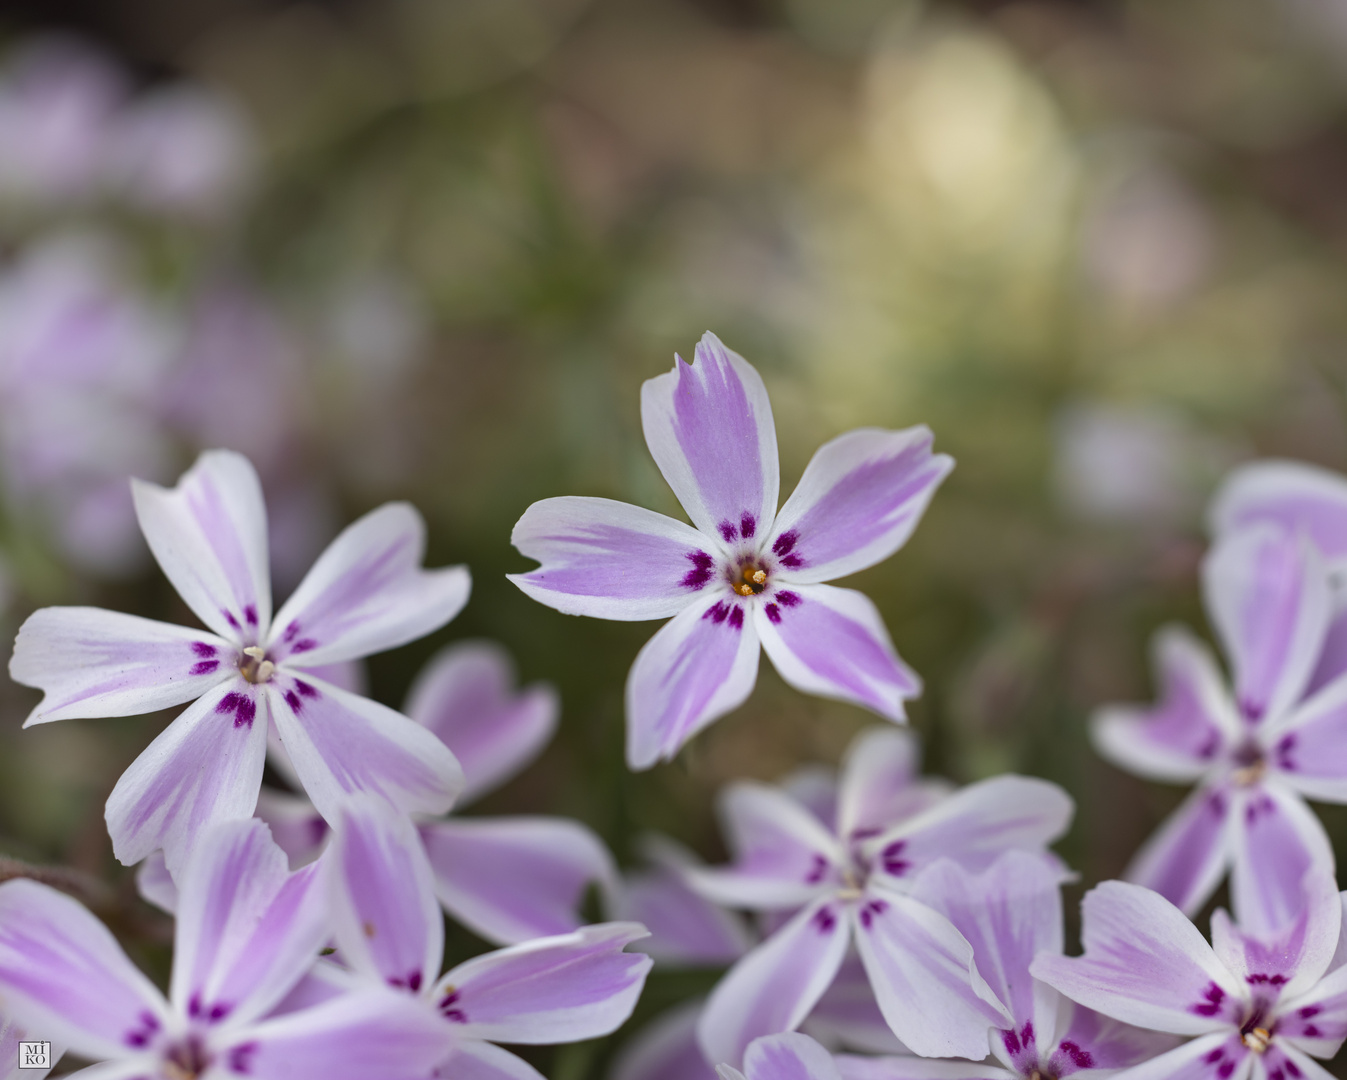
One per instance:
(1256, 750)
(366, 593)
(849, 884)
(508, 878)
(1010, 913)
(1260, 1004)
(247, 932)
(558, 989)
(748, 574)
(791, 1056)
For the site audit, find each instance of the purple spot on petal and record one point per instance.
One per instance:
(1292, 1067)
(141, 1036)
(449, 1010)
(291, 631)
(1252, 710)
(1224, 1069)
(203, 649)
(824, 920)
(414, 981)
(1283, 751)
(303, 645)
(783, 543)
(718, 612)
(1082, 1059)
(748, 525)
(204, 667)
(305, 689)
(728, 531)
(245, 713)
(194, 1006)
(792, 561)
(292, 699)
(701, 570)
(773, 613)
(865, 832)
(1011, 1041)
(229, 618)
(250, 613)
(1212, 1005)
(229, 703)
(870, 910)
(891, 859)
(817, 869)
(1310, 1031)
(218, 1012)
(1310, 1010)
(240, 1058)
(786, 598)
(737, 617)
(1214, 1056)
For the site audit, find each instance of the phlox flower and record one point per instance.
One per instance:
(507, 878)
(1258, 749)
(848, 881)
(790, 1056)
(748, 574)
(1260, 1004)
(1010, 913)
(389, 931)
(367, 592)
(248, 930)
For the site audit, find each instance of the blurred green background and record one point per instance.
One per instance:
(1100, 248)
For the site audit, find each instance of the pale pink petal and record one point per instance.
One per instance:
(1219, 1056)
(1267, 593)
(209, 535)
(1285, 1060)
(511, 879)
(383, 899)
(1276, 839)
(833, 642)
(1180, 738)
(465, 694)
(1293, 958)
(1094, 1041)
(91, 662)
(665, 1049)
(783, 855)
(612, 560)
(924, 977)
(879, 784)
(204, 768)
(858, 501)
(473, 1059)
(917, 1068)
(774, 987)
(1308, 748)
(248, 929)
(367, 1033)
(64, 975)
(709, 428)
(554, 989)
(1008, 914)
(848, 1015)
(298, 829)
(973, 826)
(366, 593)
(1185, 859)
(814, 786)
(1332, 660)
(156, 885)
(1297, 496)
(342, 743)
(788, 1056)
(700, 665)
(1145, 964)
(1316, 1021)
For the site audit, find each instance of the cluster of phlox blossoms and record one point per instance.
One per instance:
(905, 928)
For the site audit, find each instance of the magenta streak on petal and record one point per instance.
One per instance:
(306, 689)
(240, 1058)
(141, 1036)
(241, 705)
(203, 649)
(250, 614)
(728, 531)
(1213, 996)
(700, 574)
(448, 1007)
(718, 434)
(218, 528)
(748, 525)
(817, 869)
(204, 667)
(773, 613)
(1283, 752)
(291, 631)
(870, 910)
(891, 861)
(824, 920)
(1082, 1059)
(871, 500)
(718, 612)
(737, 617)
(786, 598)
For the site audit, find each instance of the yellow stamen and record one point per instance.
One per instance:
(744, 590)
(255, 651)
(1258, 1039)
(760, 576)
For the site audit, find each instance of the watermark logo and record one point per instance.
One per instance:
(34, 1055)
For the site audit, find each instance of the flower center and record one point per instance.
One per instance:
(1249, 765)
(255, 666)
(186, 1060)
(751, 581)
(1258, 1039)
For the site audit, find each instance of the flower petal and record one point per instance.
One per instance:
(91, 662)
(298, 829)
(665, 1049)
(386, 920)
(205, 767)
(1308, 748)
(554, 989)
(465, 694)
(1316, 1021)
(156, 885)
(783, 856)
(1219, 1056)
(698, 667)
(374, 1032)
(1268, 597)
(1294, 958)
(709, 428)
(1187, 855)
(1299, 497)
(367, 593)
(833, 642)
(917, 1068)
(342, 743)
(924, 977)
(879, 782)
(209, 535)
(788, 1056)
(973, 826)
(247, 930)
(1145, 964)
(1008, 914)
(1283, 1060)
(1095, 1041)
(516, 878)
(473, 1059)
(64, 975)
(1180, 738)
(858, 501)
(848, 1015)
(1276, 839)
(610, 559)
(774, 987)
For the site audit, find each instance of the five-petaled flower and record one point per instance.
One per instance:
(1258, 1002)
(367, 592)
(748, 573)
